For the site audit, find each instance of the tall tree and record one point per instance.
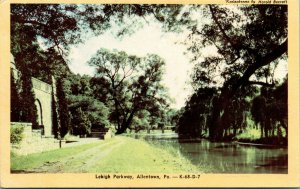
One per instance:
(28, 110)
(132, 83)
(80, 95)
(249, 41)
(14, 99)
(270, 108)
(64, 114)
(196, 114)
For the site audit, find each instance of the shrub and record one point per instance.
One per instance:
(250, 134)
(69, 137)
(16, 134)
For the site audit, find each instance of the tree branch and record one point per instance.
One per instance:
(236, 46)
(227, 38)
(260, 62)
(260, 83)
(51, 33)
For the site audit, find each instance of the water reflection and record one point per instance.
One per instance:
(221, 157)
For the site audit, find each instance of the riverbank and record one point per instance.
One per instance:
(117, 155)
(245, 140)
(268, 142)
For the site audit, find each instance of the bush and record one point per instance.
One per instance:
(249, 134)
(69, 137)
(16, 134)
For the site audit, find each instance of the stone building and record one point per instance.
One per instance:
(43, 100)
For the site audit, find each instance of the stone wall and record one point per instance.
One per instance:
(43, 95)
(33, 141)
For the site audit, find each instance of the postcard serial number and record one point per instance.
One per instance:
(189, 176)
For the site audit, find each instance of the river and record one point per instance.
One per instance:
(225, 157)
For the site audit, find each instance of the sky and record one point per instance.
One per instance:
(147, 40)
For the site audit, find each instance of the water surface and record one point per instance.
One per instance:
(225, 157)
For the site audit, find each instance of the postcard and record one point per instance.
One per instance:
(149, 93)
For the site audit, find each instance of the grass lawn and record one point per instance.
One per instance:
(38, 159)
(119, 154)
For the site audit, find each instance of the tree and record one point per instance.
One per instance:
(82, 125)
(196, 114)
(258, 112)
(80, 94)
(132, 84)
(14, 100)
(269, 108)
(141, 121)
(69, 21)
(55, 24)
(279, 108)
(28, 111)
(64, 114)
(249, 41)
(42, 50)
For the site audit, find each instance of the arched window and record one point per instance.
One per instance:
(39, 111)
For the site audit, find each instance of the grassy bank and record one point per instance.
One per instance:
(138, 156)
(120, 154)
(254, 136)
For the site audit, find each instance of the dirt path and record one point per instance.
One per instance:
(80, 162)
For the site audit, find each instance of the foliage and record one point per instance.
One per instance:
(28, 110)
(64, 114)
(82, 125)
(249, 41)
(196, 114)
(141, 120)
(258, 109)
(16, 134)
(80, 95)
(39, 63)
(69, 137)
(269, 109)
(130, 84)
(42, 51)
(15, 100)
(246, 40)
(69, 21)
(251, 134)
(60, 18)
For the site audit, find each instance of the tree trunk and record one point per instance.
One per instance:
(126, 123)
(219, 115)
(262, 130)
